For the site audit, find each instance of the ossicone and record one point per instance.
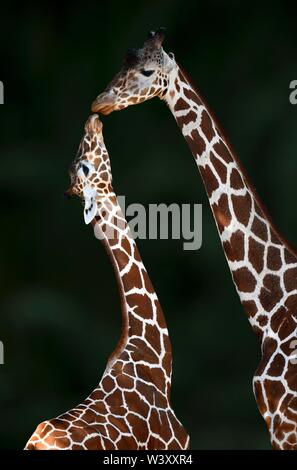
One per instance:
(156, 38)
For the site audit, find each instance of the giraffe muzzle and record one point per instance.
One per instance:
(104, 103)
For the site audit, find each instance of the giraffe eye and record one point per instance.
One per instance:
(85, 169)
(147, 73)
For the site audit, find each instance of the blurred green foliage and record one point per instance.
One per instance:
(59, 316)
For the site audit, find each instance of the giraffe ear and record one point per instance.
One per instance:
(90, 209)
(169, 61)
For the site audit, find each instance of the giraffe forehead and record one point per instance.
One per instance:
(151, 55)
(145, 58)
(91, 149)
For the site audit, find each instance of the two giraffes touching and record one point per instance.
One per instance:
(130, 408)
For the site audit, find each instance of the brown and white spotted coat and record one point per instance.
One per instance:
(262, 264)
(130, 408)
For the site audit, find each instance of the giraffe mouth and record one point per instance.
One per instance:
(103, 109)
(103, 104)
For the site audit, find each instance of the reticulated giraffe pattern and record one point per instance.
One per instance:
(130, 408)
(263, 266)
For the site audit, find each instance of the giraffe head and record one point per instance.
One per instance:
(144, 75)
(90, 172)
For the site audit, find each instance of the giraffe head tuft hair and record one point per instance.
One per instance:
(144, 75)
(90, 172)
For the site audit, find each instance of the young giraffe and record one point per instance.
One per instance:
(262, 264)
(130, 408)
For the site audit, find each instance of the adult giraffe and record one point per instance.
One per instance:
(262, 264)
(130, 408)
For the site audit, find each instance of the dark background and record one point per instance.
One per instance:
(60, 312)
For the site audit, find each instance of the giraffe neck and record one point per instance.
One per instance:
(257, 255)
(143, 321)
(130, 408)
